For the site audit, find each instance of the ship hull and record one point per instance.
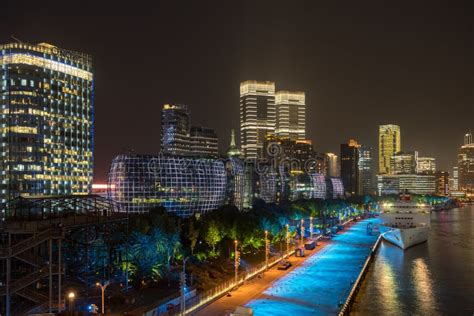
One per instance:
(404, 237)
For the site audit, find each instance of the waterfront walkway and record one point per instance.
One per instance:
(315, 285)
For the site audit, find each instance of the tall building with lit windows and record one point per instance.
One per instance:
(290, 115)
(350, 166)
(257, 116)
(466, 165)
(175, 129)
(46, 122)
(389, 144)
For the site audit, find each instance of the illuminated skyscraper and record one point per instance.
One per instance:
(46, 122)
(233, 150)
(175, 125)
(290, 115)
(332, 166)
(442, 182)
(204, 141)
(349, 166)
(365, 171)
(389, 144)
(466, 165)
(257, 115)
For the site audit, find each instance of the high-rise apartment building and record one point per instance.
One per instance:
(454, 181)
(365, 170)
(290, 115)
(257, 116)
(46, 122)
(403, 163)
(203, 141)
(389, 144)
(350, 166)
(175, 128)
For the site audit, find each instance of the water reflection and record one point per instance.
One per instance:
(423, 283)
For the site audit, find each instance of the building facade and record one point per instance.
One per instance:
(47, 121)
(332, 165)
(257, 116)
(466, 168)
(413, 183)
(365, 171)
(183, 185)
(290, 115)
(442, 182)
(426, 165)
(350, 166)
(404, 163)
(203, 141)
(175, 125)
(389, 144)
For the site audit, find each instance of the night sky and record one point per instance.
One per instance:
(360, 63)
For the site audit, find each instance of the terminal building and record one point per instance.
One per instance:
(414, 183)
(46, 121)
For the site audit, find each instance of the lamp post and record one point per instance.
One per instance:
(71, 296)
(102, 288)
(302, 232)
(287, 238)
(266, 249)
(311, 227)
(183, 287)
(236, 261)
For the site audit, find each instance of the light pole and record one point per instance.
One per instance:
(70, 297)
(311, 227)
(183, 287)
(236, 261)
(102, 288)
(287, 238)
(266, 249)
(302, 232)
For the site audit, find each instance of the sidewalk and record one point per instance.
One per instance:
(253, 288)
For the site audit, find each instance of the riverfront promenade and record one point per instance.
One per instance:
(313, 286)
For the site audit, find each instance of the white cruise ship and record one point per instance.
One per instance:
(405, 223)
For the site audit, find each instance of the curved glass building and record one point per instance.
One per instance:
(182, 185)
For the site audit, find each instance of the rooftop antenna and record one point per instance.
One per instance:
(16, 39)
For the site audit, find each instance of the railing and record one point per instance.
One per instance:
(355, 288)
(28, 243)
(28, 279)
(209, 295)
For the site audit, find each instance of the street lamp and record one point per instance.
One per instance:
(71, 297)
(183, 286)
(302, 232)
(287, 238)
(266, 249)
(236, 260)
(102, 288)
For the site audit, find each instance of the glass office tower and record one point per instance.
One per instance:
(389, 144)
(47, 121)
(290, 115)
(257, 116)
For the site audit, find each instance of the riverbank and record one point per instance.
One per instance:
(315, 285)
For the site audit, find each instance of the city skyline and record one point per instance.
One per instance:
(348, 93)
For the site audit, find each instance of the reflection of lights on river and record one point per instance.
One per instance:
(423, 286)
(388, 284)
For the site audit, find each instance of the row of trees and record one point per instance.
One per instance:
(149, 245)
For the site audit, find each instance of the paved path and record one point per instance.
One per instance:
(262, 289)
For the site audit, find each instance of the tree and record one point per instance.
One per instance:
(213, 236)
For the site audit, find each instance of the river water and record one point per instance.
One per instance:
(433, 278)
